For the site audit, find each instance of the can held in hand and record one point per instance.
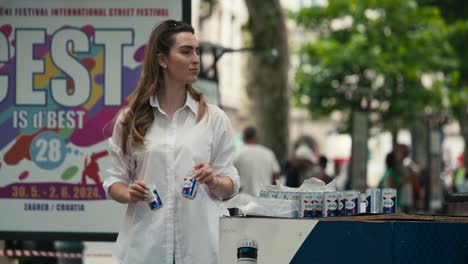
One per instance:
(389, 199)
(374, 201)
(190, 185)
(154, 200)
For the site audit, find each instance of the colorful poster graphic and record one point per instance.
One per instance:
(66, 69)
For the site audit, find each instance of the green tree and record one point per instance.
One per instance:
(455, 14)
(371, 55)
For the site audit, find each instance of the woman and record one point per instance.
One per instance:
(166, 131)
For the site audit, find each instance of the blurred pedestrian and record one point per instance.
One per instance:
(322, 173)
(301, 167)
(257, 165)
(389, 180)
(461, 179)
(463, 185)
(404, 177)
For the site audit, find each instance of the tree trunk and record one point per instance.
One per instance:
(267, 84)
(360, 130)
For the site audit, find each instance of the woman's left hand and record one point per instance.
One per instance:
(204, 174)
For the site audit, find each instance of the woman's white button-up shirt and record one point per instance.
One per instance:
(183, 230)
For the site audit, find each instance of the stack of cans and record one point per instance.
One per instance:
(311, 204)
(389, 198)
(340, 203)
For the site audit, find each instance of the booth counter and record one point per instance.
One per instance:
(393, 238)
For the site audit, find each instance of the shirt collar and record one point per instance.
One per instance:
(189, 102)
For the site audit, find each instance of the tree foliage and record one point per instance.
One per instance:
(372, 54)
(456, 14)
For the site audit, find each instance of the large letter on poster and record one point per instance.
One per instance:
(113, 43)
(4, 55)
(66, 69)
(65, 43)
(27, 66)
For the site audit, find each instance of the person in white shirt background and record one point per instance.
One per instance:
(166, 130)
(256, 164)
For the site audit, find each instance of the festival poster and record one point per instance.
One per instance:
(66, 69)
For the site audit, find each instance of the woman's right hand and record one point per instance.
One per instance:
(137, 191)
(124, 193)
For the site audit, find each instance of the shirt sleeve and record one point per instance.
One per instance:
(223, 149)
(120, 168)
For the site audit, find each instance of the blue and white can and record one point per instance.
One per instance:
(190, 185)
(318, 204)
(374, 201)
(341, 203)
(154, 200)
(330, 204)
(281, 195)
(272, 195)
(294, 196)
(351, 202)
(389, 200)
(362, 203)
(311, 204)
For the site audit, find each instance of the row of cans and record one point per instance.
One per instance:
(189, 190)
(340, 203)
(377, 200)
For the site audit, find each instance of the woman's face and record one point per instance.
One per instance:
(183, 61)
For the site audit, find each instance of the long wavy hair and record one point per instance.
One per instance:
(138, 115)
